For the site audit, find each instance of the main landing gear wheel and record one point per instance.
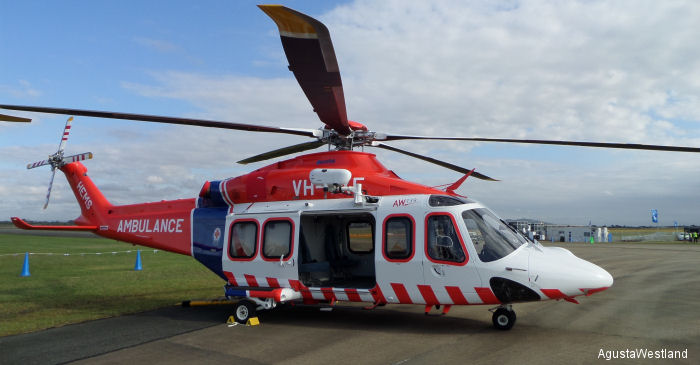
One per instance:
(245, 309)
(503, 318)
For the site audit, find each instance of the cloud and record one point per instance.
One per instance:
(23, 89)
(157, 45)
(619, 71)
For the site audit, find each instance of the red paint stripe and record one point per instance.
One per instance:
(260, 294)
(428, 295)
(328, 294)
(231, 278)
(557, 294)
(273, 283)
(250, 279)
(401, 293)
(295, 284)
(487, 296)
(593, 291)
(305, 293)
(456, 295)
(68, 126)
(353, 296)
(554, 293)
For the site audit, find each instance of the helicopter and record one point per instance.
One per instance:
(335, 225)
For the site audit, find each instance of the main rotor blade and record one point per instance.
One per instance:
(628, 146)
(163, 119)
(11, 118)
(309, 50)
(437, 162)
(283, 152)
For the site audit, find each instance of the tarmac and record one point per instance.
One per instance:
(653, 306)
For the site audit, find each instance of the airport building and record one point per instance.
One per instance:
(560, 233)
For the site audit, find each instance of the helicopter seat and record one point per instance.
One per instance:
(312, 272)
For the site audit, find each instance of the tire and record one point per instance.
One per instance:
(245, 309)
(503, 319)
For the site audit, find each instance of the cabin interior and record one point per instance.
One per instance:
(337, 250)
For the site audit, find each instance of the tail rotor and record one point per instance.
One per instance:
(57, 160)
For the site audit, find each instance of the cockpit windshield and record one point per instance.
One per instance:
(492, 238)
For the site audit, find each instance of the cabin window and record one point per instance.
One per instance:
(398, 238)
(277, 239)
(360, 237)
(443, 243)
(243, 239)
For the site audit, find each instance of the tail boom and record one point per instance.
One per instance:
(164, 225)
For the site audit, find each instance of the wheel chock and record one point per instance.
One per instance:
(231, 320)
(252, 321)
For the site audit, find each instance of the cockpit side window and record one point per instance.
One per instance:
(442, 240)
(492, 238)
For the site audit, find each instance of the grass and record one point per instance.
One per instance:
(646, 234)
(76, 288)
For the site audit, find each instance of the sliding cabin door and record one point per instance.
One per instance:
(261, 250)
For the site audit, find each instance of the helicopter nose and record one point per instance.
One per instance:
(599, 278)
(562, 275)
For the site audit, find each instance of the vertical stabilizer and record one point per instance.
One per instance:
(93, 204)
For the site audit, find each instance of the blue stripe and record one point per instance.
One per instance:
(236, 293)
(206, 247)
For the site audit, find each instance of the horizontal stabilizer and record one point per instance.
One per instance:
(20, 223)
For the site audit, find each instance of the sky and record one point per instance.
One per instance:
(608, 71)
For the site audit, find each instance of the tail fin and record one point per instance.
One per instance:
(93, 205)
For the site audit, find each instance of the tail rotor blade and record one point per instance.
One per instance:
(75, 158)
(64, 137)
(37, 164)
(48, 192)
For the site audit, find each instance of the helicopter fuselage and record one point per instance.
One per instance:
(275, 234)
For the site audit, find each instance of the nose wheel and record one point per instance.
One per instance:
(503, 317)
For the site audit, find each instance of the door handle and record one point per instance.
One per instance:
(288, 262)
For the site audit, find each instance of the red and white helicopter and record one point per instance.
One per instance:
(336, 225)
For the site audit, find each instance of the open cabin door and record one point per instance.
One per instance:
(261, 249)
(336, 249)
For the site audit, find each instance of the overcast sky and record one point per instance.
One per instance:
(617, 71)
